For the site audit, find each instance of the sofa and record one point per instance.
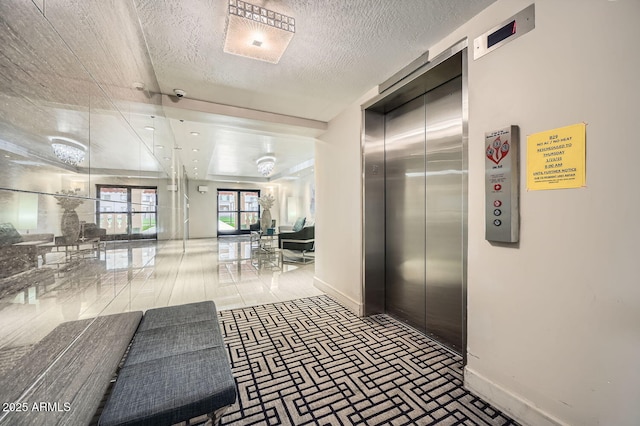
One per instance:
(302, 240)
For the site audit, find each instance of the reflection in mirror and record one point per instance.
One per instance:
(86, 156)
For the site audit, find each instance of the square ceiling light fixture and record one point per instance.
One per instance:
(257, 33)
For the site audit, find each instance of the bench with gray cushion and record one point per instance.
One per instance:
(177, 369)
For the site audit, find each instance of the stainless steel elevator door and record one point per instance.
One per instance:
(424, 216)
(405, 213)
(445, 190)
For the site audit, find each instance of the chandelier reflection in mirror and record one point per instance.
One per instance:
(265, 164)
(67, 150)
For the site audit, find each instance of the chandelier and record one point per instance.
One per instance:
(265, 164)
(68, 151)
(257, 33)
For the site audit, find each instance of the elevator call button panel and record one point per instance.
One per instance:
(502, 185)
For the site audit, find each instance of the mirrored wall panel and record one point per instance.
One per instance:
(91, 194)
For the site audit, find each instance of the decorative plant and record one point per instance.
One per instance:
(69, 199)
(267, 201)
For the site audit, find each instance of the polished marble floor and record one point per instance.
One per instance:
(129, 276)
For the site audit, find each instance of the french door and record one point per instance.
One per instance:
(237, 211)
(128, 212)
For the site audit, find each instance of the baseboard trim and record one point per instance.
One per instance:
(521, 410)
(352, 305)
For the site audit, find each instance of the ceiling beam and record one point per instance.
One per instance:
(287, 121)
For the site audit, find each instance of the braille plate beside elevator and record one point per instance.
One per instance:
(501, 185)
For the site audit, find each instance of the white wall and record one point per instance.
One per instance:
(203, 221)
(339, 213)
(295, 199)
(554, 323)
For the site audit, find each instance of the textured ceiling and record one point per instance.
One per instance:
(340, 50)
(70, 68)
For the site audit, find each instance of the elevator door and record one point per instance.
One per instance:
(425, 188)
(405, 212)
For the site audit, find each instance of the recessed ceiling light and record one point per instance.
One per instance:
(195, 161)
(160, 146)
(167, 158)
(194, 133)
(195, 168)
(195, 150)
(149, 128)
(7, 156)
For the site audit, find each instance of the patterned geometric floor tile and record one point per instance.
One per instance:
(312, 362)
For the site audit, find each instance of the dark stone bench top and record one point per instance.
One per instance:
(70, 368)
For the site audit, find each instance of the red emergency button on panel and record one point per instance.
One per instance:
(497, 203)
(497, 187)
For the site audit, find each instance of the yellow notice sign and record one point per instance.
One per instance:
(556, 158)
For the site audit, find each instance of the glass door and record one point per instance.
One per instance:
(143, 211)
(128, 212)
(237, 211)
(113, 209)
(249, 209)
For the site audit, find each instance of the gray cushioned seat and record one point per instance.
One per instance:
(172, 340)
(177, 369)
(176, 315)
(168, 390)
